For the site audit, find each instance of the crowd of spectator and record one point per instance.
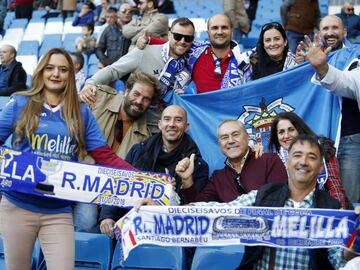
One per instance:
(137, 128)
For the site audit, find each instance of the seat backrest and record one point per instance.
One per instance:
(150, 257)
(213, 258)
(92, 250)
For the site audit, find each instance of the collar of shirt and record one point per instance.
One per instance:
(210, 51)
(307, 202)
(227, 162)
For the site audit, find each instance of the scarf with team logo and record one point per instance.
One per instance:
(231, 77)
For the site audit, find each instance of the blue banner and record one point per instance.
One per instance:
(256, 103)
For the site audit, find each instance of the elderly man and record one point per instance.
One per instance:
(165, 62)
(112, 44)
(304, 165)
(122, 120)
(241, 174)
(161, 153)
(346, 85)
(150, 20)
(12, 74)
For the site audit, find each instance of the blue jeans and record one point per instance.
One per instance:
(294, 39)
(349, 159)
(85, 217)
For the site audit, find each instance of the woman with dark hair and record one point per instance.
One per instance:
(50, 110)
(285, 128)
(270, 56)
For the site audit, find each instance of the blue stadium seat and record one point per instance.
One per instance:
(39, 13)
(92, 251)
(150, 257)
(92, 69)
(2, 253)
(93, 59)
(69, 41)
(49, 42)
(19, 23)
(214, 258)
(3, 101)
(28, 47)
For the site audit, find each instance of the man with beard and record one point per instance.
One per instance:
(122, 120)
(346, 85)
(161, 153)
(214, 66)
(163, 61)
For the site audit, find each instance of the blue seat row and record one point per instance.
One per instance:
(95, 251)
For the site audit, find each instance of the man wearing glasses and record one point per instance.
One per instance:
(163, 61)
(112, 44)
(150, 20)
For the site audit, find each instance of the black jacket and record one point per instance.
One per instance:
(16, 81)
(144, 156)
(275, 195)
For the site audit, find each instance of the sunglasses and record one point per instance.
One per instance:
(268, 26)
(179, 37)
(124, 11)
(350, 9)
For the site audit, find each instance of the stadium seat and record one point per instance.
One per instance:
(54, 27)
(119, 86)
(152, 257)
(19, 23)
(38, 13)
(2, 253)
(14, 34)
(28, 47)
(214, 258)
(92, 251)
(49, 42)
(92, 69)
(69, 41)
(28, 62)
(68, 28)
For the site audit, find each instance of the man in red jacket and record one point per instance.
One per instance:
(241, 174)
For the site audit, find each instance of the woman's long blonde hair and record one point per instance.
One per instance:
(70, 110)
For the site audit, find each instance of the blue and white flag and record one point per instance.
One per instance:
(256, 103)
(33, 174)
(222, 226)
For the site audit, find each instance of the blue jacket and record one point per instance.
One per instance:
(352, 24)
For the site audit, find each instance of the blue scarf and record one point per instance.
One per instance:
(173, 75)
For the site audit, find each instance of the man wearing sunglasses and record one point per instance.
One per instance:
(350, 20)
(163, 61)
(150, 20)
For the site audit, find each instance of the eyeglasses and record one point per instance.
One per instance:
(124, 11)
(270, 25)
(179, 37)
(217, 69)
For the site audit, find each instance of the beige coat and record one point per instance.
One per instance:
(235, 9)
(105, 110)
(154, 23)
(67, 5)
